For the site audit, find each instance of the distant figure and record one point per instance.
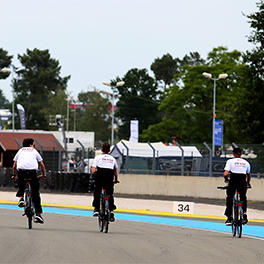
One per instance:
(105, 169)
(72, 164)
(240, 176)
(26, 162)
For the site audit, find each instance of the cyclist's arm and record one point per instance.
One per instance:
(43, 169)
(226, 175)
(248, 178)
(14, 171)
(115, 175)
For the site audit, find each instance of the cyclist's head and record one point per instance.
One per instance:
(105, 148)
(237, 151)
(27, 142)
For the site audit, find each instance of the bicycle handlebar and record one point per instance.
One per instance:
(225, 187)
(222, 187)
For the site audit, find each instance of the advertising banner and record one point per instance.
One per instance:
(22, 116)
(218, 133)
(133, 131)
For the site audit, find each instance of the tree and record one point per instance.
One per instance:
(194, 58)
(187, 106)
(4, 103)
(139, 100)
(96, 117)
(5, 62)
(252, 120)
(37, 84)
(164, 68)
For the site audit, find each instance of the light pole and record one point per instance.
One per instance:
(118, 84)
(13, 95)
(209, 76)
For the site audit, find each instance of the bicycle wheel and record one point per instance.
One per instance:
(234, 229)
(106, 223)
(29, 222)
(101, 222)
(101, 216)
(29, 210)
(239, 227)
(235, 220)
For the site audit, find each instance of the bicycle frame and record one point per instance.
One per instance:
(104, 212)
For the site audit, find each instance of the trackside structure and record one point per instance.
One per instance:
(156, 158)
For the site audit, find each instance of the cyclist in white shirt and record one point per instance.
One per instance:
(239, 171)
(105, 169)
(26, 162)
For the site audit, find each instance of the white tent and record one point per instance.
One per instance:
(147, 150)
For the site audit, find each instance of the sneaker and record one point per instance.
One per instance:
(244, 220)
(112, 217)
(21, 202)
(38, 219)
(229, 221)
(95, 213)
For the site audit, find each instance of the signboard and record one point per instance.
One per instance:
(183, 207)
(218, 133)
(133, 131)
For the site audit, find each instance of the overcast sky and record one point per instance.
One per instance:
(97, 41)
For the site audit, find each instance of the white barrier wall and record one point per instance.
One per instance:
(190, 186)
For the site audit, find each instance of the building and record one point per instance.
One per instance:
(45, 142)
(76, 139)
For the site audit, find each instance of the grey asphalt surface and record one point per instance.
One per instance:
(76, 239)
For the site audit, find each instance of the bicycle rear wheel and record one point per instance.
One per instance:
(101, 216)
(240, 217)
(29, 222)
(29, 211)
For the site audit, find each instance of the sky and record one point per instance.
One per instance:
(96, 41)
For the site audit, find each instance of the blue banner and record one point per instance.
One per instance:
(218, 133)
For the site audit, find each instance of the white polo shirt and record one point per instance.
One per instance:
(27, 158)
(105, 161)
(237, 165)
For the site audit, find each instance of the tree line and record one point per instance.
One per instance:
(176, 103)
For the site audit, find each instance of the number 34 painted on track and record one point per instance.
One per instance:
(183, 207)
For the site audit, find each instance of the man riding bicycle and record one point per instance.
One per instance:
(239, 171)
(26, 162)
(105, 169)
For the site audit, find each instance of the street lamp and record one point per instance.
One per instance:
(118, 84)
(13, 99)
(209, 76)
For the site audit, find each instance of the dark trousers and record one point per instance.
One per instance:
(106, 181)
(237, 183)
(34, 183)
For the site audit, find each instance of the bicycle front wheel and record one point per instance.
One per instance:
(101, 222)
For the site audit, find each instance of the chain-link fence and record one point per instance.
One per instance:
(206, 165)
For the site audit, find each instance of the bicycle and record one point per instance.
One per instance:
(104, 211)
(237, 213)
(29, 210)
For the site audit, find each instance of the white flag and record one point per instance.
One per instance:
(133, 131)
(22, 116)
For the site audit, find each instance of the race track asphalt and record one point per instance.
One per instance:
(76, 239)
